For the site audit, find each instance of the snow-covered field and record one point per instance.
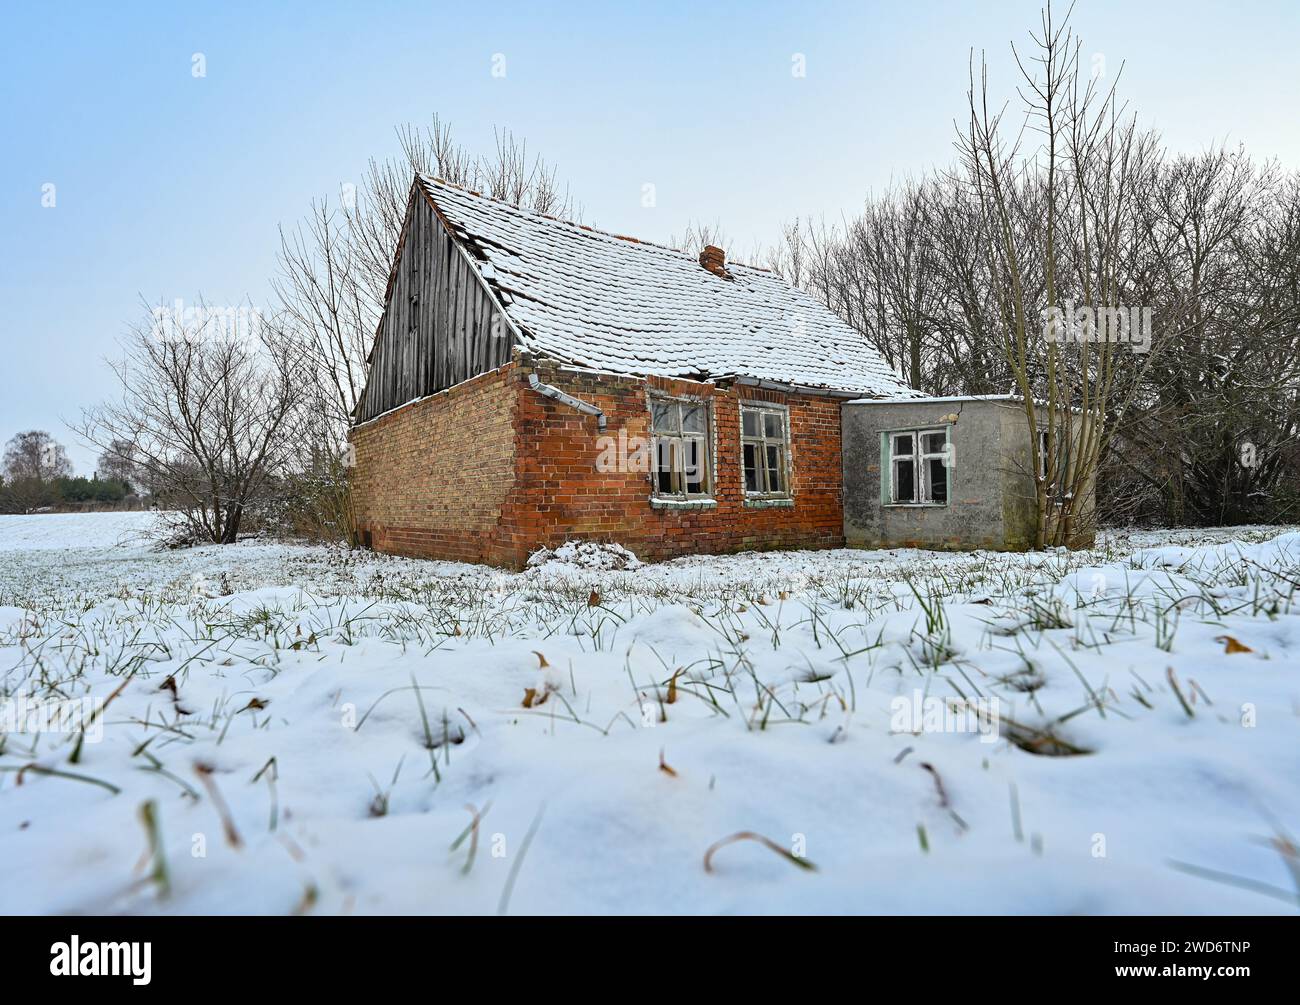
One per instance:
(281, 729)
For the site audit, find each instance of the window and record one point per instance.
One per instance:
(1062, 465)
(765, 450)
(918, 467)
(681, 448)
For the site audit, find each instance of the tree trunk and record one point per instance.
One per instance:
(231, 529)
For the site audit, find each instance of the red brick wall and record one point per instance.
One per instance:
(529, 474)
(562, 495)
(431, 478)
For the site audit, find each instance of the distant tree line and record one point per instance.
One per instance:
(35, 474)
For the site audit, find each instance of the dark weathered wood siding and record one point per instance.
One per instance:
(440, 325)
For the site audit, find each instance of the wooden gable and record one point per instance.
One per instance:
(441, 324)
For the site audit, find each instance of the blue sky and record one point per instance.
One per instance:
(172, 186)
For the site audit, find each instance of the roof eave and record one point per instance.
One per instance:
(790, 388)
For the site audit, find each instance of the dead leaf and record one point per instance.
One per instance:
(802, 863)
(594, 599)
(309, 897)
(1231, 645)
(256, 704)
(663, 766)
(541, 660)
(672, 687)
(206, 773)
(534, 697)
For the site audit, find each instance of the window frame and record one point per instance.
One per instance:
(681, 436)
(761, 442)
(924, 495)
(1056, 488)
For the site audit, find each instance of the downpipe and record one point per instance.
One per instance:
(555, 394)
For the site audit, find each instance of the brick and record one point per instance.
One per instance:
(489, 470)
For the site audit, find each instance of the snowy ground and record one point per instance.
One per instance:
(276, 729)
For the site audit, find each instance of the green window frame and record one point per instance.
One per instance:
(916, 466)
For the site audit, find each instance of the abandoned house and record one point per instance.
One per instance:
(534, 381)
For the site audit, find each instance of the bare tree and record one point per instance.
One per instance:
(786, 258)
(953, 279)
(33, 461)
(374, 215)
(329, 310)
(334, 266)
(907, 273)
(966, 356)
(896, 235)
(37, 456)
(1085, 165)
(205, 415)
(117, 463)
(699, 235)
(1216, 437)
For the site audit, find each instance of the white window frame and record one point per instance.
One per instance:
(761, 443)
(920, 466)
(680, 437)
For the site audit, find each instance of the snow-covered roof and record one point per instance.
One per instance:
(1012, 399)
(621, 305)
(943, 399)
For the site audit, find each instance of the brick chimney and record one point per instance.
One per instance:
(715, 260)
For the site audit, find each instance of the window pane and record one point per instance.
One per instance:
(774, 467)
(751, 467)
(933, 443)
(938, 474)
(697, 475)
(693, 418)
(772, 425)
(903, 444)
(905, 481)
(748, 422)
(664, 416)
(665, 465)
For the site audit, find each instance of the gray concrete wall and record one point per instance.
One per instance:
(975, 514)
(1019, 500)
(991, 501)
